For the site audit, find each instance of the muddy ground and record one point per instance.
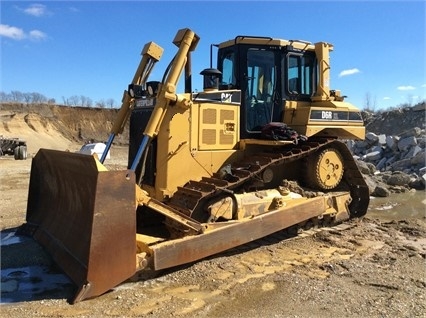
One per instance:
(373, 267)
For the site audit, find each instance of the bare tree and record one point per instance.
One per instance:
(16, 96)
(411, 99)
(86, 101)
(28, 98)
(83, 100)
(110, 102)
(65, 101)
(4, 97)
(369, 103)
(101, 103)
(89, 102)
(74, 100)
(37, 98)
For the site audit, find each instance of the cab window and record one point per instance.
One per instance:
(228, 70)
(300, 74)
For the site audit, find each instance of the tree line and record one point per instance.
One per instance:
(35, 98)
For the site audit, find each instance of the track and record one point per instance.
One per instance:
(194, 194)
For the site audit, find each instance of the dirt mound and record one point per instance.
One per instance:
(35, 130)
(57, 127)
(396, 121)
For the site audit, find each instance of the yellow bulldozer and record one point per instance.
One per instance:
(208, 170)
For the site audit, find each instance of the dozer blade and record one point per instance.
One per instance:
(84, 216)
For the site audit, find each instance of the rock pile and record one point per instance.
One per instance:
(392, 163)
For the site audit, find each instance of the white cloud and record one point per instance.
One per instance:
(73, 9)
(386, 98)
(36, 10)
(405, 88)
(349, 72)
(37, 35)
(424, 85)
(19, 34)
(11, 32)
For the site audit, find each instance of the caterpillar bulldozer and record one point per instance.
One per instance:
(204, 174)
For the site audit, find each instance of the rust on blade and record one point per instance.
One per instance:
(84, 218)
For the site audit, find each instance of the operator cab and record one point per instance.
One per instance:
(268, 72)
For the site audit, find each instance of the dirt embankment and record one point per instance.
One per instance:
(57, 127)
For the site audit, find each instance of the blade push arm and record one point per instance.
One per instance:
(151, 54)
(186, 40)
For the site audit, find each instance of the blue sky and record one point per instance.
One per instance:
(92, 48)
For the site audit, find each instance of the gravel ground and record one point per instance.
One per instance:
(374, 267)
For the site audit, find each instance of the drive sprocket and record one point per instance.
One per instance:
(324, 169)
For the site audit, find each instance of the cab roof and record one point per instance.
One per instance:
(268, 41)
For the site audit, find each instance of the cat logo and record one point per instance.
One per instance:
(326, 115)
(226, 97)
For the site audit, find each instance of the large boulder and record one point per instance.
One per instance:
(397, 178)
(381, 190)
(365, 167)
(405, 143)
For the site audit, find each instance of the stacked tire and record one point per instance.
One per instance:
(20, 152)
